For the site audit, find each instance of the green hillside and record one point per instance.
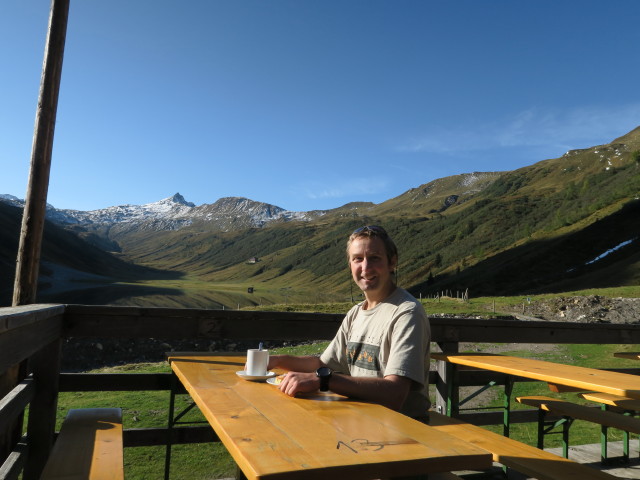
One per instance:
(531, 229)
(535, 229)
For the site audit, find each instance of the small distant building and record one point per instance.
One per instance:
(253, 260)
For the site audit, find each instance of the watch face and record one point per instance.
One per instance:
(323, 371)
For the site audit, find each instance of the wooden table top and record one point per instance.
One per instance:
(629, 355)
(316, 436)
(616, 383)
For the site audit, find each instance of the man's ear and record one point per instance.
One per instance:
(393, 264)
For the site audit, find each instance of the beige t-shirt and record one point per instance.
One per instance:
(393, 338)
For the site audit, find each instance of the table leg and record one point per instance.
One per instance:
(506, 416)
(565, 436)
(172, 399)
(240, 474)
(453, 406)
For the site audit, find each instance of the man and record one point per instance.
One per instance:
(381, 351)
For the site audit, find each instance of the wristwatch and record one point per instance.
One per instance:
(324, 374)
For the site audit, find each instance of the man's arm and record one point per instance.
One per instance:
(296, 363)
(390, 391)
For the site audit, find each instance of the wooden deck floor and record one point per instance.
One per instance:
(590, 455)
(586, 454)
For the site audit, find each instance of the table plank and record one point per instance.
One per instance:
(584, 378)
(315, 436)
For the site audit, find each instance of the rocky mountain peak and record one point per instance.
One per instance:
(179, 199)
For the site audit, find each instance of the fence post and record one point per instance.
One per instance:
(45, 365)
(446, 382)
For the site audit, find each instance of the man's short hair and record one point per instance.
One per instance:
(370, 231)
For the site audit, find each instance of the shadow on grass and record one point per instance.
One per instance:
(108, 294)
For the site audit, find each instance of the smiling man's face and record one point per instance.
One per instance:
(370, 267)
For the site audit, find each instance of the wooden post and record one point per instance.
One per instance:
(447, 394)
(42, 417)
(28, 260)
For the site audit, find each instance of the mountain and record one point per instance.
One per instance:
(170, 209)
(237, 213)
(68, 262)
(559, 224)
(105, 226)
(175, 212)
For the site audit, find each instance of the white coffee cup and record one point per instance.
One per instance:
(257, 362)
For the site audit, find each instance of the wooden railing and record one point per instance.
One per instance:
(33, 335)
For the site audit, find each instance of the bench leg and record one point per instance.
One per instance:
(604, 441)
(625, 446)
(506, 418)
(604, 445)
(541, 428)
(625, 440)
(546, 427)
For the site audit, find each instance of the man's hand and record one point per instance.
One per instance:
(298, 382)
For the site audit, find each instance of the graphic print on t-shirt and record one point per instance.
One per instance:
(363, 355)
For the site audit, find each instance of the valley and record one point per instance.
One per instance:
(562, 224)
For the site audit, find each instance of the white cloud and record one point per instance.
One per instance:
(549, 128)
(344, 188)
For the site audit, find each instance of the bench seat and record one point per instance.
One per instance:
(624, 403)
(89, 446)
(571, 411)
(524, 458)
(583, 412)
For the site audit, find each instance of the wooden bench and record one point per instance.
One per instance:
(622, 403)
(570, 411)
(625, 405)
(524, 458)
(89, 446)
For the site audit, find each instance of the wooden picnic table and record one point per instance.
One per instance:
(555, 374)
(558, 376)
(314, 436)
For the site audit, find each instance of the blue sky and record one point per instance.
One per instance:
(311, 104)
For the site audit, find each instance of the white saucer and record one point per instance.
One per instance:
(243, 374)
(273, 381)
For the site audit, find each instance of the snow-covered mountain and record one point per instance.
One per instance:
(11, 200)
(173, 213)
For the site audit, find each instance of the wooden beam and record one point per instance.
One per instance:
(28, 261)
(13, 404)
(19, 344)
(15, 317)
(29, 248)
(13, 465)
(45, 365)
(166, 323)
(137, 322)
